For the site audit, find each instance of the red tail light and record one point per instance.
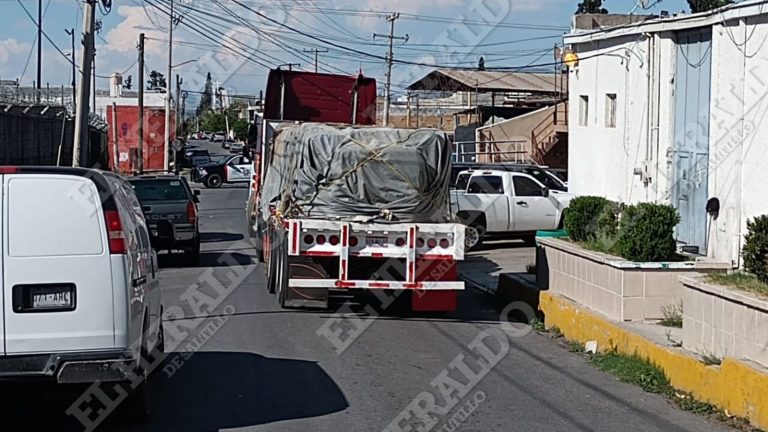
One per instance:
(334, 240)
(9, 170)
(400, 242)
(445, 244)
(353, 241)
(309, 239)
(432, 243)
(320, 239)
(115, 233)
(191, 213)
(420, 243)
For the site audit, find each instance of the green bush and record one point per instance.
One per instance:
(646, 233)
(583, 217)
(755, 251)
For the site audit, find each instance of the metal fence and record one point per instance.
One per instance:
(43, 135)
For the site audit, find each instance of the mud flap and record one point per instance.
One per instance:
(310, 298)
(434, 301)
(313, 298)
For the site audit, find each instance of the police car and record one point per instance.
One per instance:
(231, 169)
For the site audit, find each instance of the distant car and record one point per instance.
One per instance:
(170, 208)
(219, 137)
(236, 147)
(227, 144)
(231, 169)
(81, 296)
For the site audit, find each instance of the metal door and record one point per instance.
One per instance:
(690, 152)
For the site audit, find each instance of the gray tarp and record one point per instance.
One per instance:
(363, 174)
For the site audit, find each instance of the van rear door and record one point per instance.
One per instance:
(57, 278)
(2, 255)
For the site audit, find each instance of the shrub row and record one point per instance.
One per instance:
(642, 232)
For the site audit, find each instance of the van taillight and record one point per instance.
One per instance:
(191, 213)
(115, 232)
(9, 170)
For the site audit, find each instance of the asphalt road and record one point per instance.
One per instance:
(260, 368)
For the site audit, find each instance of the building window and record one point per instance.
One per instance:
(610, 110)
(583, 110)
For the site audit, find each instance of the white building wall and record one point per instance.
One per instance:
(738, 151)
(602, 160)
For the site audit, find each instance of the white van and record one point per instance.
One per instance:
(80, 299)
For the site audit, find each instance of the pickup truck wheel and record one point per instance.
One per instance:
(214, 181)
(473, 237)
(192, 252)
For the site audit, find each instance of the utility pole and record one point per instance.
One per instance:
(167, 140)
(316, 51)
(290, 65)
(115, 135)
(179, 81)
(84, 89)
(71, 33)
(141, 105)
(39, 47)
(390, 59)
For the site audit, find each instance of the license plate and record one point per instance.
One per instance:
(376, 241)
(51, 298)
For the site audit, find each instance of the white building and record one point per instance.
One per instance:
(673, 110)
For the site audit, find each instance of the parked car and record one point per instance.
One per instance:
(170, 207)
(230, 169)
(505, 204)
(227, 143)
(545, 176)
(236, 147)
(82, 300)
(219, 137)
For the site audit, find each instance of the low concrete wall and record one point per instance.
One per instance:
(735, 385)
(619, 289)
(724, 322)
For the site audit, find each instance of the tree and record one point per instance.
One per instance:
(206, 101)
(706, 5)
(591, 7)
(156, 81)
(240, 128)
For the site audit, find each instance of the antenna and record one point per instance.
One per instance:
(644, 4)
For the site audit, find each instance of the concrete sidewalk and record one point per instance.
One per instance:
(481, 268)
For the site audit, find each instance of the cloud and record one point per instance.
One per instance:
(13, 52)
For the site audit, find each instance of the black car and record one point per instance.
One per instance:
(543, 175)
(170, 208)
(230, 169)
(196, 157)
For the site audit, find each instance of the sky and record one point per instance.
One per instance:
(238, 40)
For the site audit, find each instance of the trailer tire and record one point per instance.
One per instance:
(282, 273)
(272, 265)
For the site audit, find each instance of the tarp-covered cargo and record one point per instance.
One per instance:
(363, 174)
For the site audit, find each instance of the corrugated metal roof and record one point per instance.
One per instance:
(486, 81)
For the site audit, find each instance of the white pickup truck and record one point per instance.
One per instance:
(503, 204)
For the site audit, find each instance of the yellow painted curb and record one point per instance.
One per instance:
(734, 385)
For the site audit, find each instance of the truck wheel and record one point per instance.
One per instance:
(192, 253)
(473, 238)
(282, 274)
(214, 181)
(272, 264)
